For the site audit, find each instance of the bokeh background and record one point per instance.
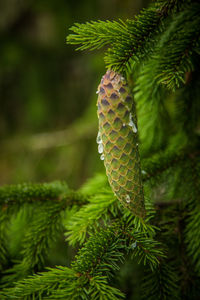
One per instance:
(48, 122)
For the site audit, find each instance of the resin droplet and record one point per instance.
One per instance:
(128, 200)
(134, 245)
(102, 157)
(98, 138)
(134, 128)
(100, 148)
(132, 124)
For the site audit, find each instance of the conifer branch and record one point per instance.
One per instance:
(96, 34)
(23, 193)
(3, 249)
(186, 111)
(102, 255)
(171, 6)
(151, 108)
(39, 285)
(32, 192)
(162, 283)
(160, 162)
(5, 215)
(192, 237)
(130, 41)
(121, 55)
(91, 216)
(147, 250)
(176, 55)
(173, 57)
(41, 235)
(43, 229)
(94, 184)
(127, 38)
(192, 229)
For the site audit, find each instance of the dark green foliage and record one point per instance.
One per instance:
(173, 63)
(132, 40)
(123, 36)
(3, 250)
(44, 229)
(158, 51)
(23, 193)
(154, 284)
(193, 238)
(87, 219)
(101, 256)
(39, 285)
(41, 235)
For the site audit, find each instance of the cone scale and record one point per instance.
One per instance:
(118, 141)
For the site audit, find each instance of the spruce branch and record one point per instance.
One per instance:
(91, 216)
(171, 6)
(100, 255)
(150, 101)
(41, 235)
(161, 284)
(28, 192)
(3, 248)
(147, 250)
(186, 111)
(127, 233)
(140, 238)
(39, 286)
(44, 228)
(141, 30)
(5, 215)
(143, 226)
(99, 288)
(56, 196)
(31, 192)
(127, 38)
(192, 229)
(160, 162)
(175, 57)
(96, 34)
(94, 184)
(130, 40)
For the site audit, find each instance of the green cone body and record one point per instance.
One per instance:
(117, 139)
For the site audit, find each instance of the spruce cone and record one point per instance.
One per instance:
(117, 139)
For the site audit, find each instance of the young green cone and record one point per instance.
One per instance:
(117, 141)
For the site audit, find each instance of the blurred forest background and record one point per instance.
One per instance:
(48, 121)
